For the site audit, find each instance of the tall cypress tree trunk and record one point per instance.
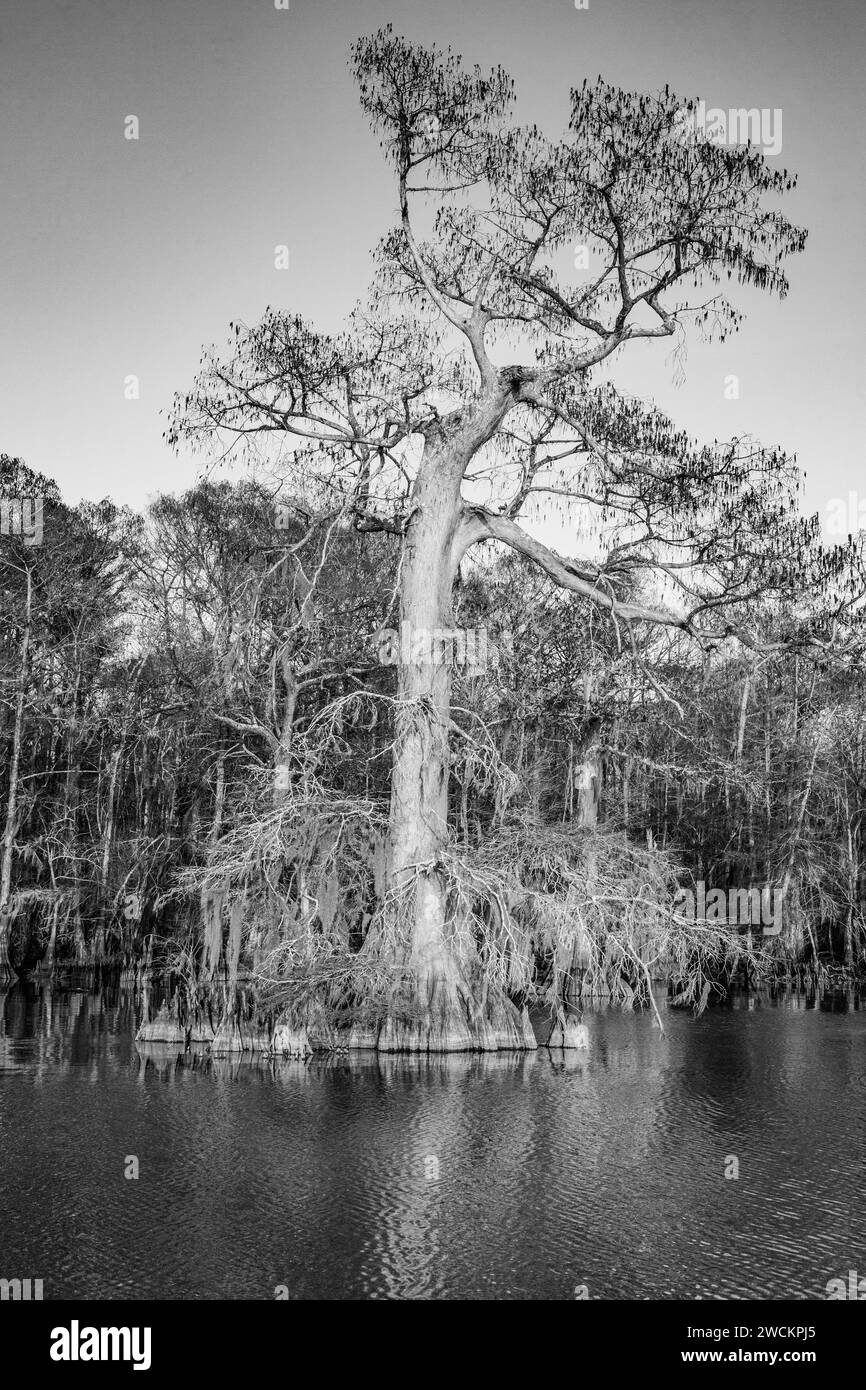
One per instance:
(419, 784)
(589, 778)
(116, 764)
(70, 816)
(211, 903)
(442, 1008)
(6, 971)
(848, 940)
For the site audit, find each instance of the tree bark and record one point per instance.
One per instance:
(116, 763)
(6, 971)
(441, 1008)
(589, 779)
(211, 903)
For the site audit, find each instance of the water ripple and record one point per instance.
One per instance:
(462, 1177)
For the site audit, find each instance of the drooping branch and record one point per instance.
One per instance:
(601, 589)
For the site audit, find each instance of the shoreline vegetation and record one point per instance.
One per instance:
(223, 772)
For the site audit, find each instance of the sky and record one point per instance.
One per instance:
(122, 258)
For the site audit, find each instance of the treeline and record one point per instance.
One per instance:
(198, 720)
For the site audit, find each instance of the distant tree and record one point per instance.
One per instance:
(22, 609)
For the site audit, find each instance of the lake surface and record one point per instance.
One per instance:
(467, 1177)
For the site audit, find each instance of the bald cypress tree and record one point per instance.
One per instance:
(465, 388)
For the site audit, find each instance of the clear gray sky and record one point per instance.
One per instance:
(123, 257)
